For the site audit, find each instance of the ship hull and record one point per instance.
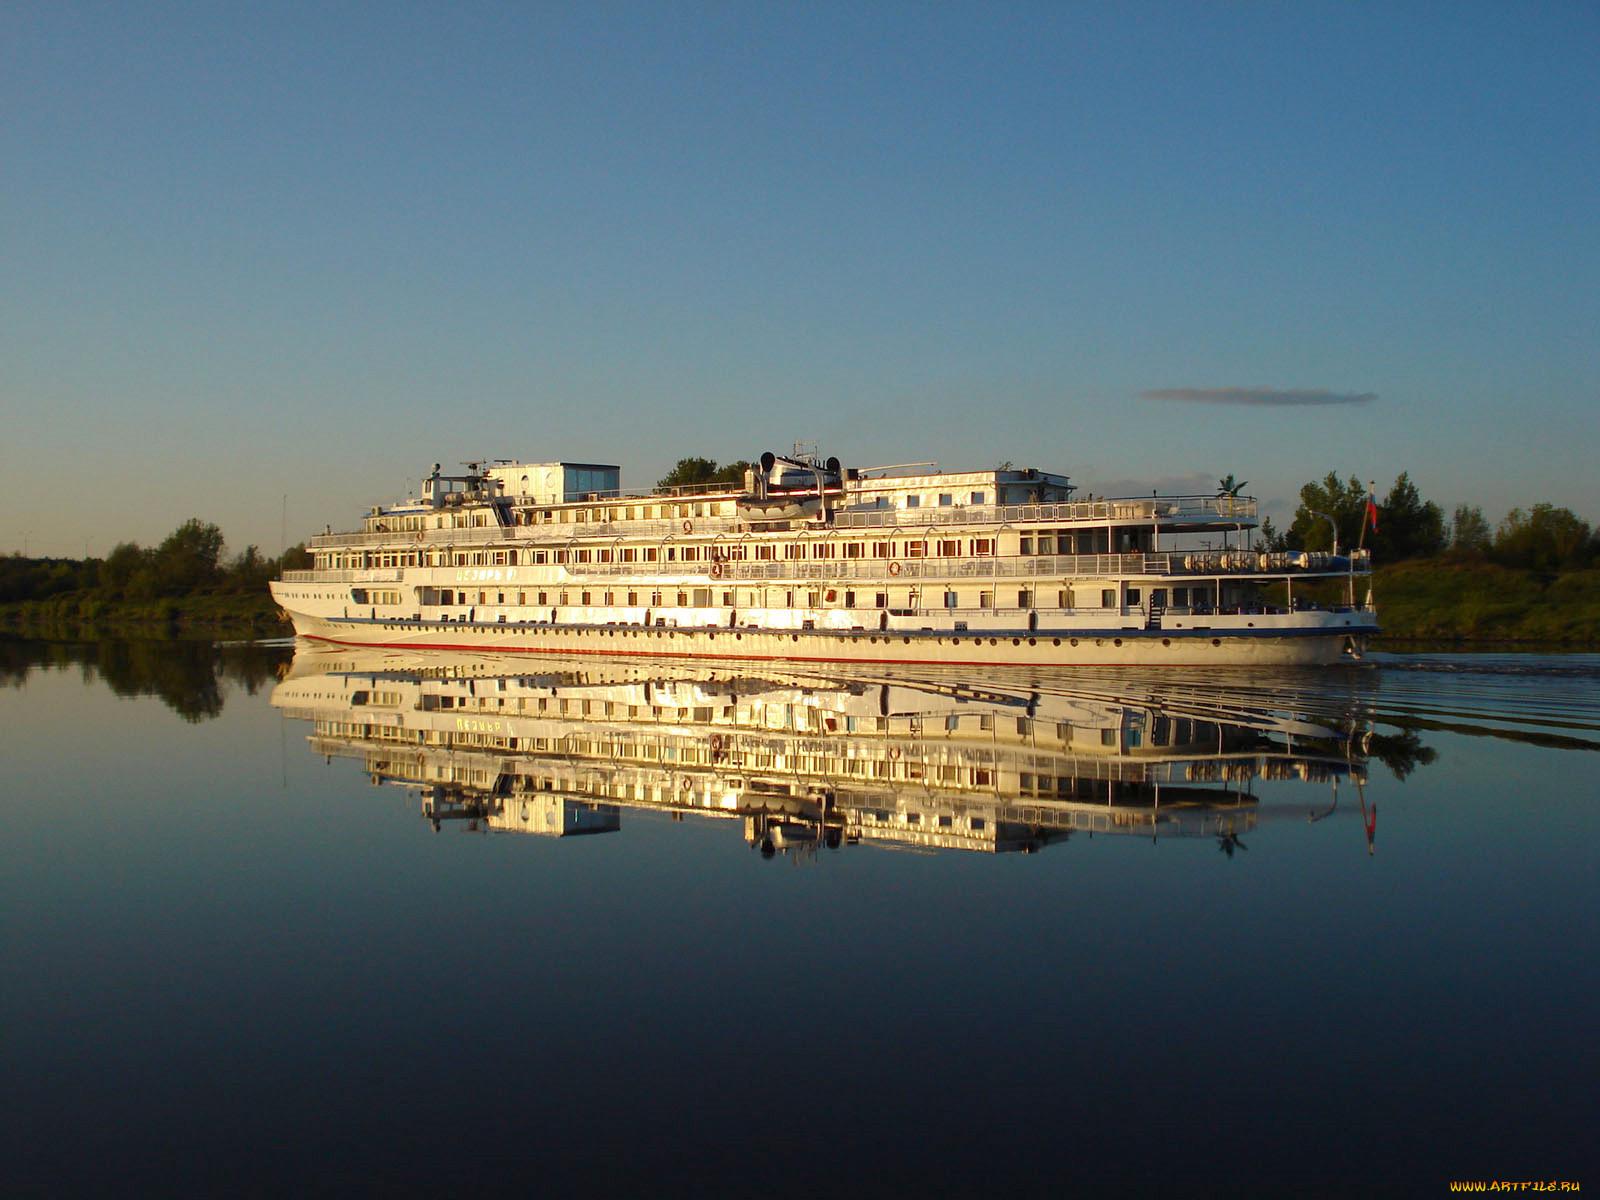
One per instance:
(1286, 646)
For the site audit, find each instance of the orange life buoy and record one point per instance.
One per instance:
(716, 570)
(716, 741)
(894, 752)
(688, 526)
(894, 568)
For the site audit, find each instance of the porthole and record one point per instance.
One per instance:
(1032, 642)
(1057, 642)
(1216, 641)
(1116, 641)
(1074, 641)
(1018, 641)
(1166, 641)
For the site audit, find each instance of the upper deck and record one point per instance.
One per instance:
(493, 507)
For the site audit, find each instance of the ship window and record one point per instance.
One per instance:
(983, 545)
(916, 549)
(979, 497)
(985, 599)
(950, 599)
(849, 599)
(683, 599)
(633, 598)
(882, 600)
(585, 598)
(946, 499)
(913, 501)
(1108, 598)
(1047, 543)
(1180, 597)
(852, 549)
(1025, 546)
(880, 549)
(544, 597)
(1024, 598)
(949, 549)
(1133, 595)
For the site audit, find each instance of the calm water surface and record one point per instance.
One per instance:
(347, 924)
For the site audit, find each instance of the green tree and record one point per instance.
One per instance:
(1408, 526)
(696, 471)
(1470, 534)
(1343, 500)
(248, 572)
(190, 559)
(119, 567)
(295, 558)
(1545, 538)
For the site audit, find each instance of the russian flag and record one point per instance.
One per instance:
(1372, 511)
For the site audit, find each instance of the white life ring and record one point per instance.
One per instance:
(894, 568)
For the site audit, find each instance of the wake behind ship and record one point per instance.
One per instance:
(808, 560)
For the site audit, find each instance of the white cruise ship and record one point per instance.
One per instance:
(807, 560)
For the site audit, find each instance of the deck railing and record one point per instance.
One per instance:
(1166, 508)
(1044, 567)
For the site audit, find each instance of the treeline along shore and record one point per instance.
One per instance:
(188, 586)
(1532, 579)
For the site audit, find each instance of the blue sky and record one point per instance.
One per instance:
(258, 251)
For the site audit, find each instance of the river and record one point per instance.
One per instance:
(335, 922)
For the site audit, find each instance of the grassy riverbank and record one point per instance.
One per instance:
(1471, 602)
(1478, 601)
(87, 615)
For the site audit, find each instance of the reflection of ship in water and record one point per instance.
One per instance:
(804, 759)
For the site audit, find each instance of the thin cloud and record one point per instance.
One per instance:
(1260, 396)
